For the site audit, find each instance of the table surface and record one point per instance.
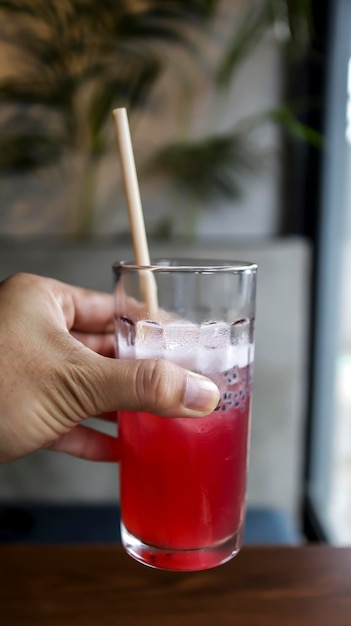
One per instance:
(102, 586)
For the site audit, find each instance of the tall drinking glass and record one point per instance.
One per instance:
(183, 481)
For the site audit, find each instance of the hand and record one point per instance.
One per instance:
(57, 369)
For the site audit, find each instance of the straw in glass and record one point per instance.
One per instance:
(148, 286)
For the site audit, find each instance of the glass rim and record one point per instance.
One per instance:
(187, 265)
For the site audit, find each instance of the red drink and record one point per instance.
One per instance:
(183, 481)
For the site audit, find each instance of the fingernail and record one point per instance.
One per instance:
(201, 394)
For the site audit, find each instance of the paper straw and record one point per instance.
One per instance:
(148, 286)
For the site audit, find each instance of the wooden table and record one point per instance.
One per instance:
(101, 586)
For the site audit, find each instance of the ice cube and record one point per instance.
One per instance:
(125, 328)
(181, 334)
(215, 352)
(214, 335)
(181, 343)
(240, 332)
(148, 339)
(125, 336)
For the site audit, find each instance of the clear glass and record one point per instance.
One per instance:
(183, 481)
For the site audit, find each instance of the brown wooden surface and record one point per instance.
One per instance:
(102, 586)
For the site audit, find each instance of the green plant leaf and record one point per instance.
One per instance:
(57, 96)
(27, 151)
(103, 49)
(247, 34)
(287, 118)
(293, 127)
(299, 14)
(120, 91)
(208, 169)
(254, 23)
(77, 59)
(32, 9)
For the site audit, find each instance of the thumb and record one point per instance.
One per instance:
(151, 385)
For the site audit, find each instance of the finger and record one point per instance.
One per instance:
(84, 309)
(104, 344)
(105, 385)
(89, 444)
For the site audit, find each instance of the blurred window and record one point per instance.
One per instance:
(329, 487)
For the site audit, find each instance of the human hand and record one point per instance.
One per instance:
(57, 369)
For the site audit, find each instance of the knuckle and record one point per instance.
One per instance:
(22, 278)
(153, 383)
(78, 389)
(21, 282)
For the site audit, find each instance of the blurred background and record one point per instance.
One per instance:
(240, 114)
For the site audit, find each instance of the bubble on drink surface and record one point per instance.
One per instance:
(148, 339)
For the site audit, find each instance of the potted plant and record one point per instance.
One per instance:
(74, 60)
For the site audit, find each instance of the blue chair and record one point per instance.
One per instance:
(70, 523)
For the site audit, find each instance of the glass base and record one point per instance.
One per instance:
(181, 560)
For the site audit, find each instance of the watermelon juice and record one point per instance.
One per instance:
(183, 481)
